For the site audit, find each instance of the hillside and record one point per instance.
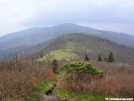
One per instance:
(120, 38)
(33, 38)
(76, 45)
(36, 35)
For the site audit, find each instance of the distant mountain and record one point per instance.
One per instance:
(34, 36)
(19, 34)
(9, 52)
(76, 46)
(120, 38)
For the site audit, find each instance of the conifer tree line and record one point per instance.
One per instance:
(109, 59)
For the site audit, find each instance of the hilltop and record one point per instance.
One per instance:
(77, 45)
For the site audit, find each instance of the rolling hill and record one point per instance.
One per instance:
(37, 35)
(120, 38)
(76, 45)
(32, 38)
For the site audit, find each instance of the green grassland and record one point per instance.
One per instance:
(59, 55)
(92, 32)
(63, 94)
(66, 52)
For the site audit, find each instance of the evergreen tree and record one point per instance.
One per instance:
(105, 59)
(55, 65)
(99, 58)
(86, 58)
(41, 55)
(111, 58)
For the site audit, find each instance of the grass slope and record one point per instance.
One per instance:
(65, 52)
(59, 55)
(120, 38)
(76, 45)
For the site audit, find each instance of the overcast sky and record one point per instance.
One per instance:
(113, 15)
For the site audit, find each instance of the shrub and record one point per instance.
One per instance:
(81, 67)
(117, 82)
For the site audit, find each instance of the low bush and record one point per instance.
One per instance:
(117, 82)
(81, 67)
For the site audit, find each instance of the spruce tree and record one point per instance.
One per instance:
(86, 58)
(99, 58)
(41, 55)
(105, 59)
(55, 65)
(111, 58)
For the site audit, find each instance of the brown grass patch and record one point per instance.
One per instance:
(20, 79)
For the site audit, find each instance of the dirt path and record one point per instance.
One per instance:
(58, 82)
(52, 95)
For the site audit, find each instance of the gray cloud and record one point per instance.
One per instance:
(18, 14)
(85, 11)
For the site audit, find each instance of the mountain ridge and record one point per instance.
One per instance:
(81, 44)
(34, 36)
